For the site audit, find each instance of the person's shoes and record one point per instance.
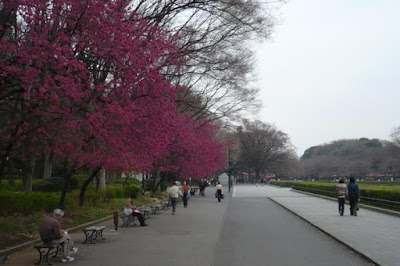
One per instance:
(355, 214)
(144, 225)
(67, 259)
(73, 250)
(173, 213)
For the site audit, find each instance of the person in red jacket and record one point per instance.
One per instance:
(185, 189)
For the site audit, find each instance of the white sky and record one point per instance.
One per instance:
(331, 71)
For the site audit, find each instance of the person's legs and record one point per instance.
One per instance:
(353, 202)
(140, 218)
(341, 205)
(173, 202)
(219, 195)
(184, 199)
(68, 245)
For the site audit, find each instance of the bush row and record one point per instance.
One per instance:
(373, 190)
(12, 201)
(373, 194)
(285, 183)
(27, 202)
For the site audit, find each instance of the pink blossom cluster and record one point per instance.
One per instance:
(83, 79)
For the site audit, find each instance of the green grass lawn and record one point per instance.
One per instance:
(17, 227)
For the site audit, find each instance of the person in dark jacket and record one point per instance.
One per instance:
(51, 233)
(354, 195)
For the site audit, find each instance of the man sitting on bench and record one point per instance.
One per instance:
(51, 233)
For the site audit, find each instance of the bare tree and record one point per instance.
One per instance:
(263, 147)
(216, 34)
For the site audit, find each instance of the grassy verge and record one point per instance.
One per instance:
(17, 227)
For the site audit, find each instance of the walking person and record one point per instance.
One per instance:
(219, 191)
(135, 211)
(51, 233)
(174, 192)
(354, 195)
(186, 190)
(341, 193)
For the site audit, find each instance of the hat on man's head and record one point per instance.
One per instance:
(58, 212)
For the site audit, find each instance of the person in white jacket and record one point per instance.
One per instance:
(174, 192)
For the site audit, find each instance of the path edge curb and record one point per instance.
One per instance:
(328, 234)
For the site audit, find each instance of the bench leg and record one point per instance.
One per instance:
(44, 256)
(89, 236)
(100, 234)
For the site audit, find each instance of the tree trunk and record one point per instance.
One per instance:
(102, 179)
(48, 164)
(155, 183)
(28, 176)
(85, 185)
(111, 177)
(162, 179)
(67, 180)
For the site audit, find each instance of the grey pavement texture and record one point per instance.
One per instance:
(373, 234)
(247, 229)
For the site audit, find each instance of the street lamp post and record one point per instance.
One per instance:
(229, 169)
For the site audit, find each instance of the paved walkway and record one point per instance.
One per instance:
(187, 238)
(190, 237)
(373, 234)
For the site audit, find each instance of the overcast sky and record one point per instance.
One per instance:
(332, 71)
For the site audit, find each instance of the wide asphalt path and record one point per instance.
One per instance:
(246, 229)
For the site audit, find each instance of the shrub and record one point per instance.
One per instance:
(27, 202)
(54, 184)
(282, 183)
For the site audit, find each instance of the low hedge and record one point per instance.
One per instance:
(27, 202)
(285, 183)
(373, 194)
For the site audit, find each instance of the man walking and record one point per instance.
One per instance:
(354, 195)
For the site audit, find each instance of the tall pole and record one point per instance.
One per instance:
(229, 169)
(142, 183)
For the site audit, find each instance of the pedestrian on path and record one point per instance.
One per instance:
(341, 193)
(354, 196)
(185, 189)
(134, 210)
(174, 192)
(219, 191)
(51, 233)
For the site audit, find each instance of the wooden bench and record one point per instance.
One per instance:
(92, 233)
(45, 250)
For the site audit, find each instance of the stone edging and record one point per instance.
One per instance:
(13, 249)
(372, 208)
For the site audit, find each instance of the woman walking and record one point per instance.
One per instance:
(341, 193)
(219, 191)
